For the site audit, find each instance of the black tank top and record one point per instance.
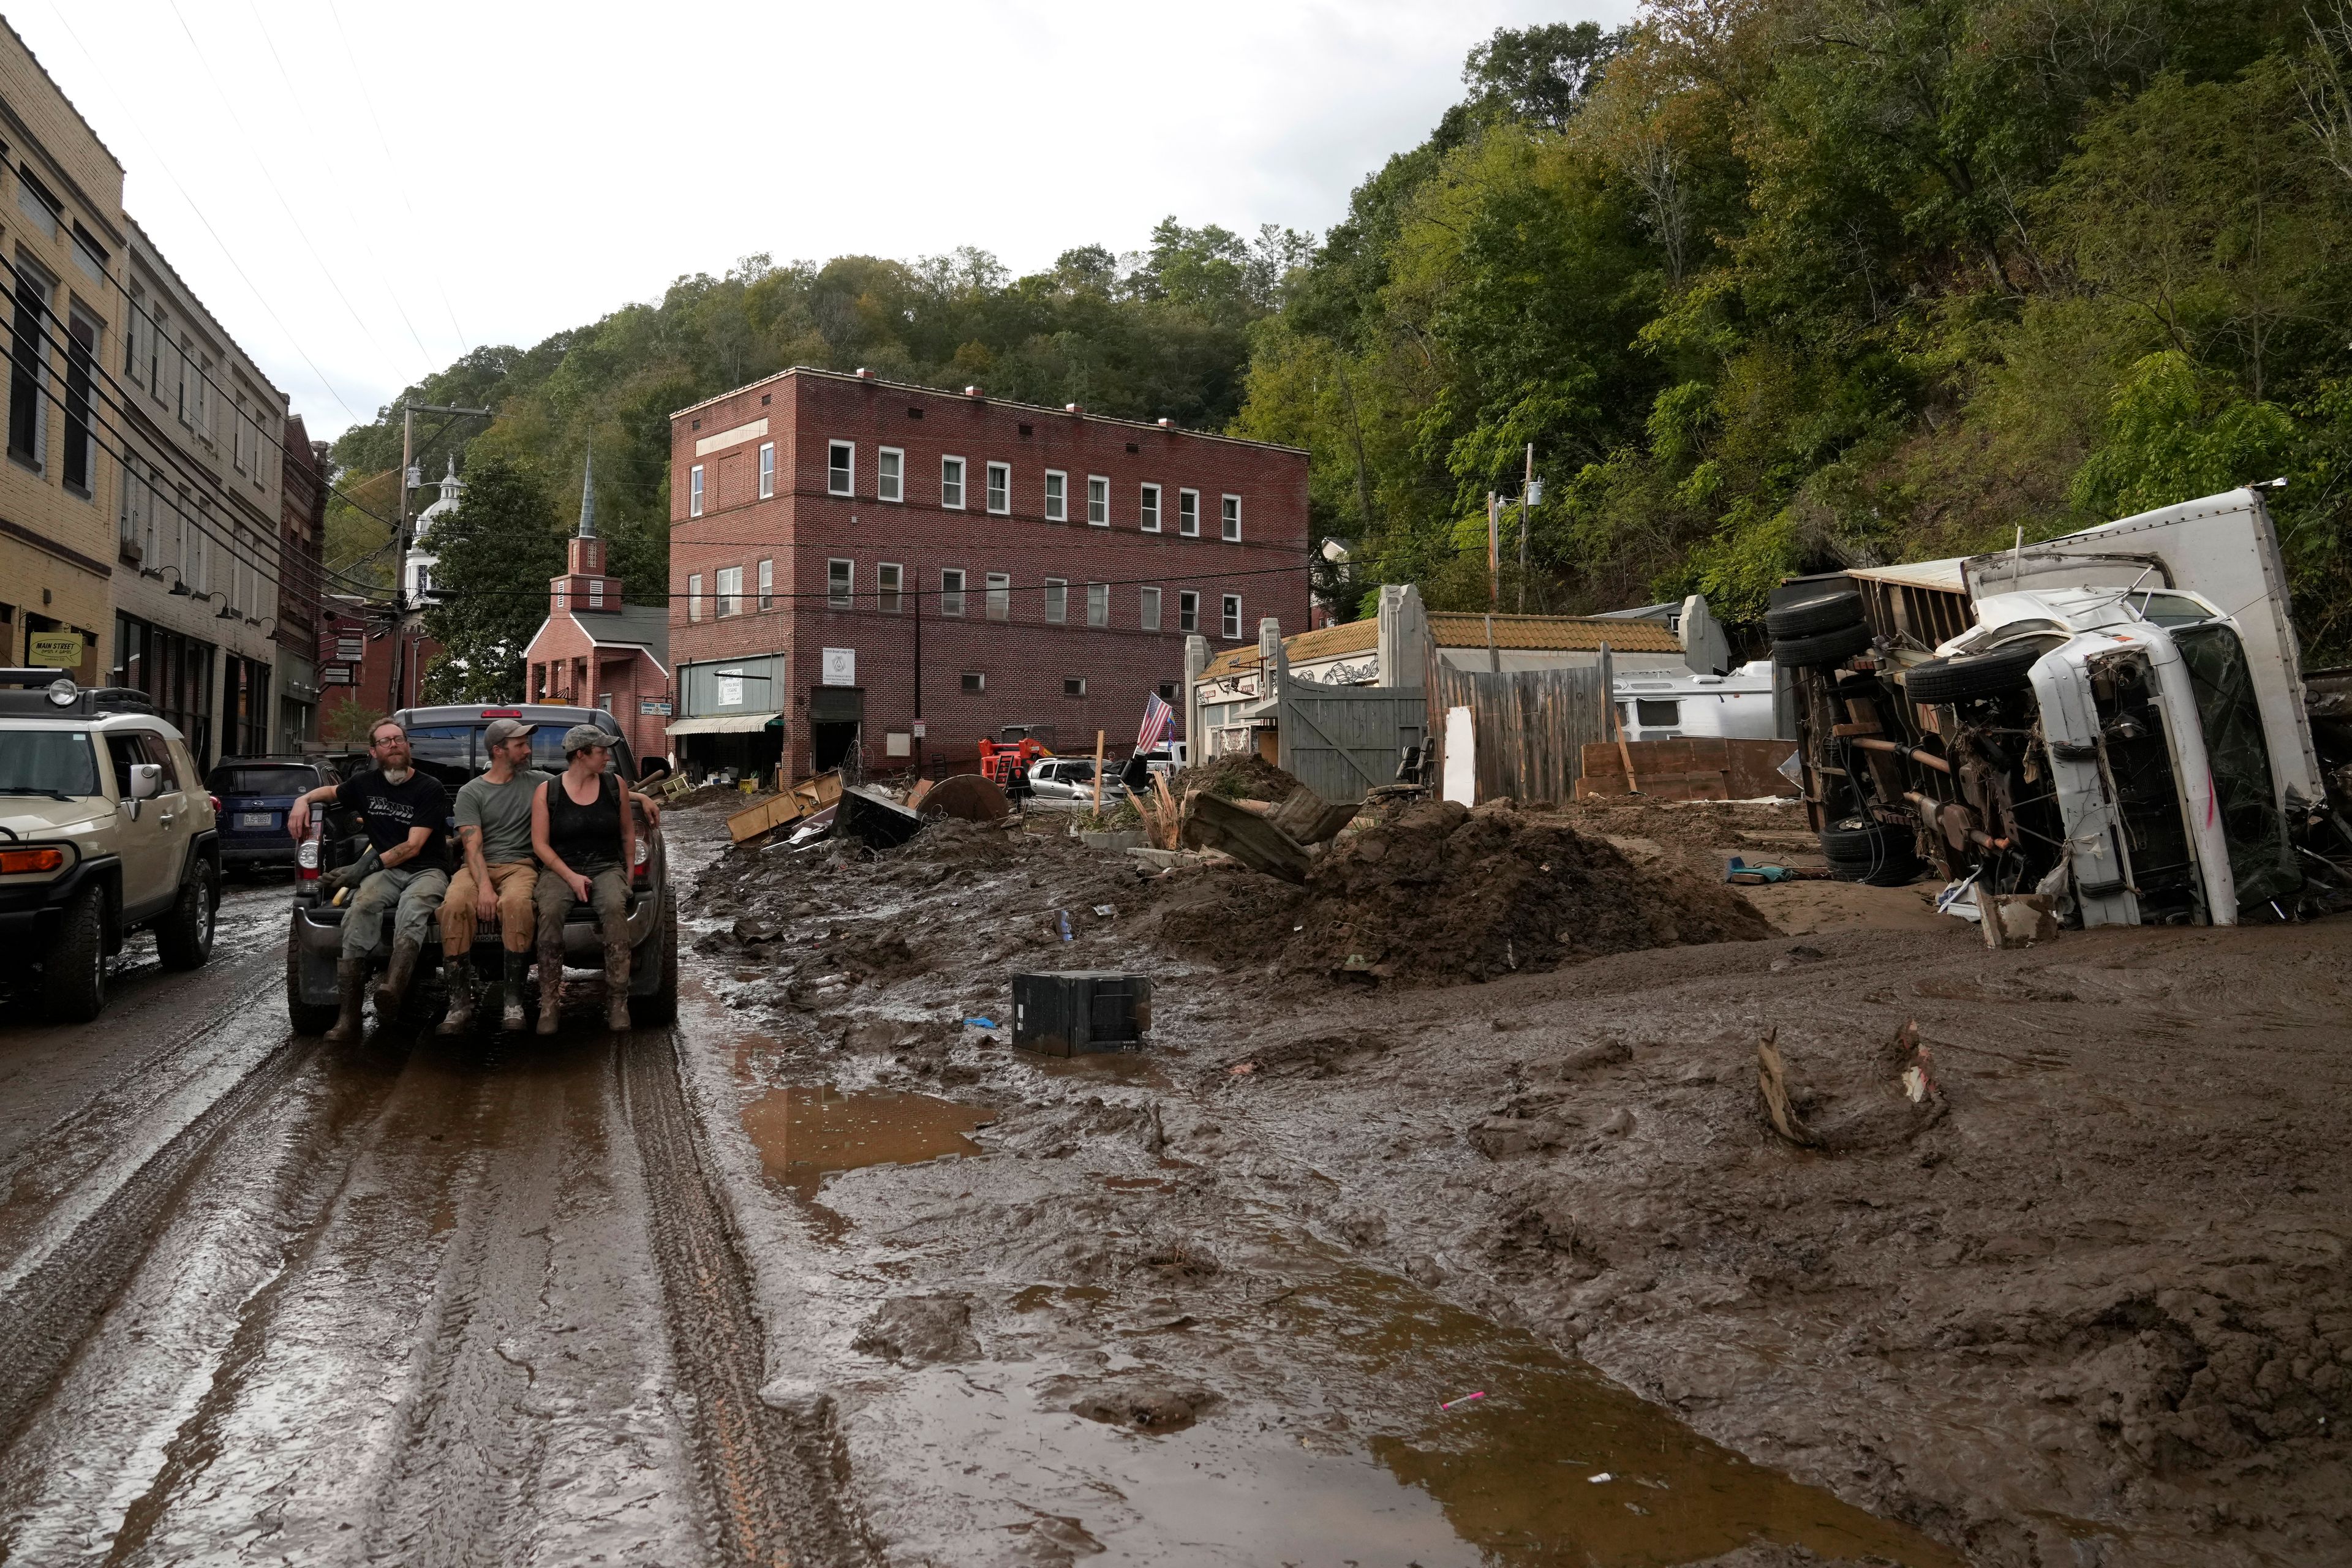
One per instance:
(586, 838)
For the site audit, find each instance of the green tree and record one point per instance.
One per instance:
(498, 551)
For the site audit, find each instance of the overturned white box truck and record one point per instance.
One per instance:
(2115, 718)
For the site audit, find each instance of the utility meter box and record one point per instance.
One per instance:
(1074, 1011)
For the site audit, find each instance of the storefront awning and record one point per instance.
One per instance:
(723, 725)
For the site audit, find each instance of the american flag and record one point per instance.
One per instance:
(1159, 724)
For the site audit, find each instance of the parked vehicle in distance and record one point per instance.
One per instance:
(1063, 778)
(1654, 706)
(105, 830)
(255, 793)
(446, 744)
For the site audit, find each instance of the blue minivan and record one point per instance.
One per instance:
(255, 794)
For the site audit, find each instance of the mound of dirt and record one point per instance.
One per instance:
(1438, 895)
(1241, 777)
(952, 841)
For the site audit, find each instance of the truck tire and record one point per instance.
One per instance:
(73, 971)
(1822, 648)
(1869, 852)
(307, 1017)
(659, 1006)
(183, 937)
(1965, 677)
(1825, 611)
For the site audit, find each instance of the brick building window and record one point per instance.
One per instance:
(1233, 519)
(889, 581)
(974, 681)
(951, 483)
(730, 591)
(999, 487)
(841, 468)
(952, 590)
(1233, 617)
(1188, 513)
(1147, 616)
(1098, 603)
(1097, 501)
(1167, 692)
(767, 584)
(1057, 601)
(694, 491)
(889, 474)
(1149, 508)
(767, 469)
(694, 596)
(1073, 686)
(1187, 611)
(1058, 496)
(999, 597)
(839, 578)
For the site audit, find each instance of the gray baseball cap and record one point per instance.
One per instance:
(501, 731)
(580, 737)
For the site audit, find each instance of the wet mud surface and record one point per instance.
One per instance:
(2083, 1302)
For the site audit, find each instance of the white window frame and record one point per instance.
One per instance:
(1188, 514)
(694, 491)
(1147, 508)
(767, 469)
(727, 589)
(1147, 610)
(1057, 601)
(1097, 500)
(1000, 488)
(1187, 611)
(694, 596)
(999, 595)
(1229, 616)
(768, 583)
(1058, 496)
(845, 596)
(952, 592)
(596, 593)
(1229, 520)
(1098, 603)
(890, 470)
(890, 587)
(848, 472)
(951, 473)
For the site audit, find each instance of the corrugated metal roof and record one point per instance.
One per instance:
(1575, 633)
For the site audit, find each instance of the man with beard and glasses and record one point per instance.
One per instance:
(406, 814)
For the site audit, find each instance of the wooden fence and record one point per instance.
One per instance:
(1529, 727)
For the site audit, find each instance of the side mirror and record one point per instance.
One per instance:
(146, 780)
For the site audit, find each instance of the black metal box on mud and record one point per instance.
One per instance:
(1078, 1011)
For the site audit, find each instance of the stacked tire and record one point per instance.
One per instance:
(1819, 629)
(1874, 853)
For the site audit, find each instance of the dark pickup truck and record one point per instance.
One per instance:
(447, 745)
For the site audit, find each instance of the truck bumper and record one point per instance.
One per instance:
(316, 938)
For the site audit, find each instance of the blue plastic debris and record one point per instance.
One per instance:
(981, 1023)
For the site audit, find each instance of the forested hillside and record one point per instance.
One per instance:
(1771, 285)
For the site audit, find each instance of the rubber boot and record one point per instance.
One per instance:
(518, 975)
(616, 983)
(458, 973)
(350, 990)
(396, 976)
(550, 982)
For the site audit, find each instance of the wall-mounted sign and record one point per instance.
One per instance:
(656, 707)
(334, 674)
(54, 650)
(840, 666)
(918, 730)
(730, 688)
(351, 649)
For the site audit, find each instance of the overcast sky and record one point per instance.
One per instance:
(361, 192)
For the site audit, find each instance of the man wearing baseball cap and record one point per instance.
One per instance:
(494, 886)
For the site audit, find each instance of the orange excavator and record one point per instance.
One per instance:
(997, 757)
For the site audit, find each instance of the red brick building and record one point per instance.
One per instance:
(850, 555)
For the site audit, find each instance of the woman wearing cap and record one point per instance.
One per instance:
(586, 838)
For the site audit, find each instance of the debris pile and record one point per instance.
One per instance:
(1436, 894)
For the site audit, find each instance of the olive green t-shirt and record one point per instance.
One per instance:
(502, 811)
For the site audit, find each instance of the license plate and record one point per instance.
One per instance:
(256, 819)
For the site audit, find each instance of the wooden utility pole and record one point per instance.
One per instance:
(1494, 553)
(1527, 498)
(1099, 761)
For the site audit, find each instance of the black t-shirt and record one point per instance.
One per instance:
(392, 809)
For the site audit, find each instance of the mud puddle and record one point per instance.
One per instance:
(805, 1134)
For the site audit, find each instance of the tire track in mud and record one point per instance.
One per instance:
(771, 1478)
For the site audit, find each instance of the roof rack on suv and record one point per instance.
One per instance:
(62, 699)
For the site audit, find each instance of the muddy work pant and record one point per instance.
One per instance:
(608, 895)
(512, 884)
(408, 895)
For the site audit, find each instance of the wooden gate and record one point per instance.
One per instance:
(1343, 741)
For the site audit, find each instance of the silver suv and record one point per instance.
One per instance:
(105, 830)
